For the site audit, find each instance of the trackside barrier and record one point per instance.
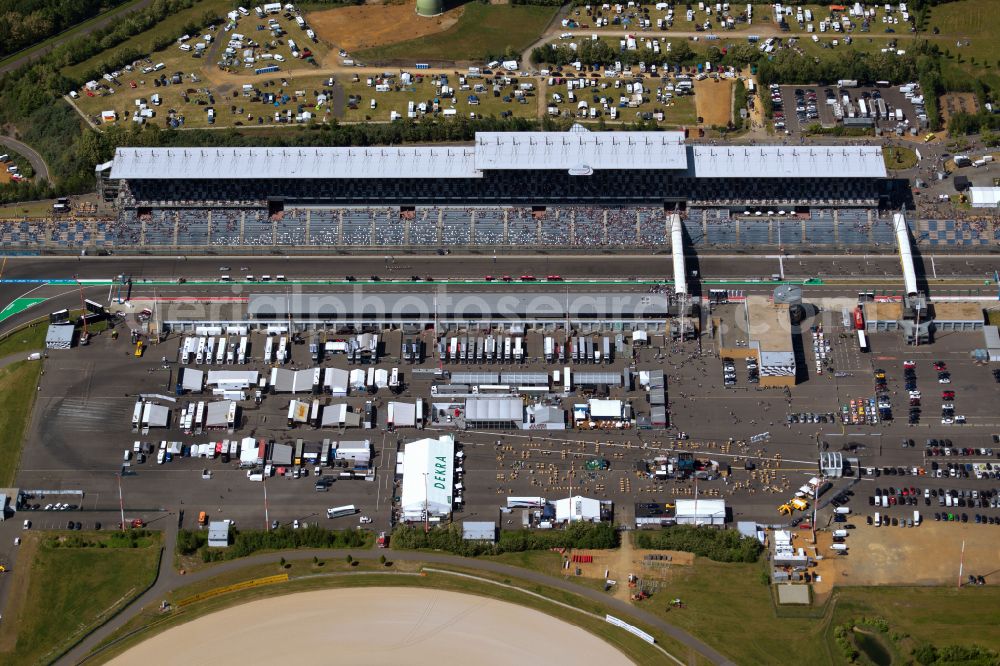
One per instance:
(235, 587)
(611, 619)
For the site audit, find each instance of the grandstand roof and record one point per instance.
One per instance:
(580, 152)
(272, 163)
(787, 161)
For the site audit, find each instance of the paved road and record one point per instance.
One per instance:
(32, 155)
(872, 270)
(104, 21)
(169, 580)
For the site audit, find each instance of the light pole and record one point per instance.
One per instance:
(263, 482)
(121, 500)
(427, 526)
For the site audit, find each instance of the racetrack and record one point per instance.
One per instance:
(376, 626)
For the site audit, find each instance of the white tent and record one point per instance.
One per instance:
(220, 414)
(192, 379)
(249, 451)
(577, 508)
(428, 477)
(605, 409)
(336, 381)
(402, 414)
(701, 512)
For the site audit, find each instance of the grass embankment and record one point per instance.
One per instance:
(27, 209)
(483, 30)
(70, 33)
(899, 158)
(145, 41)
(306, 576)
(17, 394)
(75, 586)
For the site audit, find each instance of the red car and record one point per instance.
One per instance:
(131, 84)
(553, 278)
(506, 278)
(947, 395)
(527, 278)
(940, 366)
(489, 278)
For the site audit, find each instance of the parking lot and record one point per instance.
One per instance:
(802, 106)
(81, 426)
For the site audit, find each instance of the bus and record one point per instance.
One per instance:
(862, 342)
(338, 511)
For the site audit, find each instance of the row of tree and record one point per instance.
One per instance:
(24, 23)
(718, 545)
(247, 542)
(449, 538)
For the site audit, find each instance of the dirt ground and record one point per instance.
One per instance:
(952, 103)
(714, 101)
(367, 26)
(618, 564)
(382, 626)
(4, 176)
(925, 555)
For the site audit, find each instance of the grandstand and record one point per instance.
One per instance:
(575, 189)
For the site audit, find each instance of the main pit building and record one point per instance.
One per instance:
(519, 188)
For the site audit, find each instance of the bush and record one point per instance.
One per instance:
(249, 542)
(449, 538)
(718, 545)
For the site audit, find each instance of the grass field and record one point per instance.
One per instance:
(679, 111)
(307, 576)
(24, 340)
(17, 394)
(72, 589)
(366, 26)
(729, 607)
(483, 30)
(899, 158)
(27, 209)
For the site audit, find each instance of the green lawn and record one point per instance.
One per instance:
(143, 42)
(72, 590)
(482, 30)
(728, 607)
(26, 339)
(899, 158)
(17, 393)
(939, 615)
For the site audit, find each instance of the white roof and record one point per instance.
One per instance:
(155, 416)
(217, 413)
(192, 379)
(984, 197)
(578, 508)
(702, 508)
(788, 162)
(336, 380)
(291, 381)
(247, 377)
(333, 415)
(292, 163)
(605, 409)
(580, 152)
(248, 450)
(404, 414)
(494, 409)
(428, 476)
